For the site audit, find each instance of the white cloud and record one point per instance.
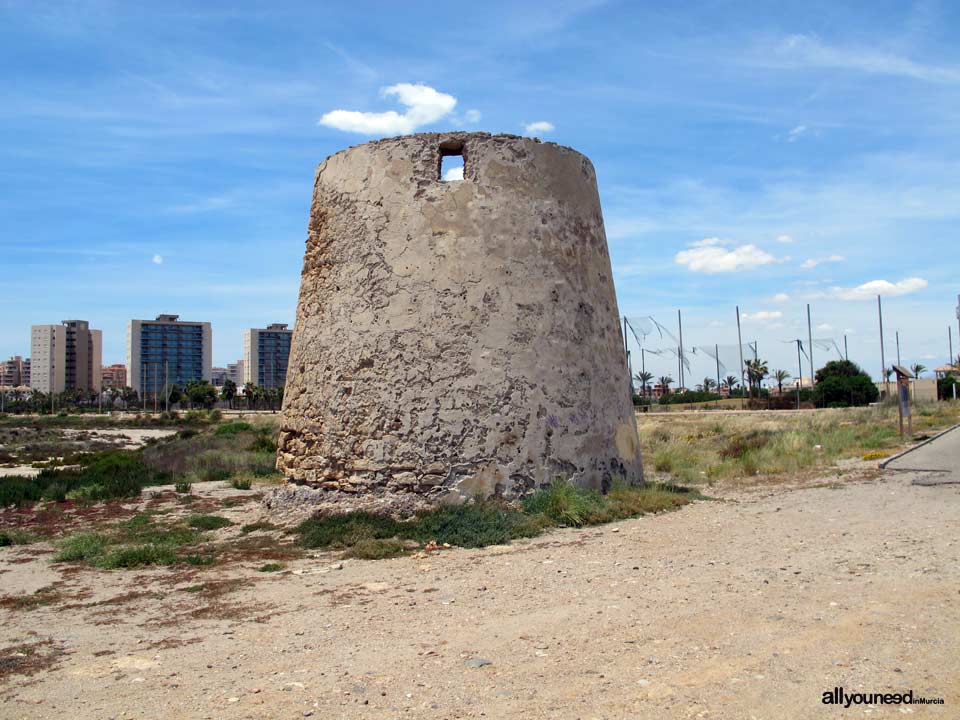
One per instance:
(869, 290)
(711, 255)
(796, 133)
(424, 106)
(157, 260)
(762, 316)
(541, 126)
(454, 173)
(812, 263)
(781, 297)
(826, 327)
(784, 238)
(472, 116)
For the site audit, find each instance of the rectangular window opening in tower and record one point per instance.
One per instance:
(451, 162)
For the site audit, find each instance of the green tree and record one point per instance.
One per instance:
(665, 381)
(731, 381)
(917, 368)
(229, 391)
(756, 371)
(780, 376)
(202, 393)
(841, 383)
(644, 377)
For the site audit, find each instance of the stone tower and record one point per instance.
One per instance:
(456, 338)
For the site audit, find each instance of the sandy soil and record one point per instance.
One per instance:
(748, 607)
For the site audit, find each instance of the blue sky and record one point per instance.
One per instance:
(158, 157)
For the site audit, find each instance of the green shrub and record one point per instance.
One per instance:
(241, 483)
(182, 487)
(376, 549)
(253, 527)
(564, 504)
(263, 443)
(83, 546)
(15, 537)
(208, 522)
(132, 556)
(271, 567)
(841, 383)
(232, 428)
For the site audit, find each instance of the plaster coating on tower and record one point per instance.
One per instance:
(456, 338)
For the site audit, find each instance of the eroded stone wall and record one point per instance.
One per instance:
(455, 338)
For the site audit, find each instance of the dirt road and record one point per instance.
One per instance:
(750, 607)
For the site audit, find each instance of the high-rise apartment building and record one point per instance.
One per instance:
(115, 376)
(235, 372)
(167, 351)
(15, 372)
(65, 357)
(217, 376)
(265, 355)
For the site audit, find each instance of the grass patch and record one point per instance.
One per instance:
(137, 542)
(182, 487)
(229, 429)
(208, 522)
(241, 483)
(257, 526)
(14, 536)
(735, 446)
(486, 522)
(271, 567)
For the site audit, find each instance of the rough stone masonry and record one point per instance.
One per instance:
(456, 338)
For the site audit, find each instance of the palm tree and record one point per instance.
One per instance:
(709, 384)
(731, 382)
(665, 381)
(644, 377)
(887, 373)
(917, 368)
(756, 372)
(780, 376)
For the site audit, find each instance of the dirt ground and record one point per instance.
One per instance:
(747, 607)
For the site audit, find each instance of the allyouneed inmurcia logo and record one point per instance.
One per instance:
(838, 696)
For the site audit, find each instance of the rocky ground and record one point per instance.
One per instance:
(747, 607)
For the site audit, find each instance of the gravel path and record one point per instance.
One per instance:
(749, 607)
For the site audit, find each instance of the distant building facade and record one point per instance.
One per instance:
(235, 372)
(218, 376)
(115, 376)
(65, 357)
(168, 351)
(15, 372)
(266, 352)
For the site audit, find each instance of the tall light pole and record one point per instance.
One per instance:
(740, 348)
(810, 344)
(883, 357)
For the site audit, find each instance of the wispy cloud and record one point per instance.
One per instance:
(809, 51)
(424, 105)
(781, 298)
(713, 255)
(784, 238)
(157, 260)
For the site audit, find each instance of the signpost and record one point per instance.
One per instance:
(903, 397)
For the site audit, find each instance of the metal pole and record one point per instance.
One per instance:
(883, 357)
(800, 376)
(740, 347)
(810, 344)
(156, 379)
(680, 325)
(625, 335)
(716, 352)
(896, 334)
(166, 385)
(845, 356)
(950, 340)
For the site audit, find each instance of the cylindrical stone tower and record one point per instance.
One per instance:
(456, 338)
